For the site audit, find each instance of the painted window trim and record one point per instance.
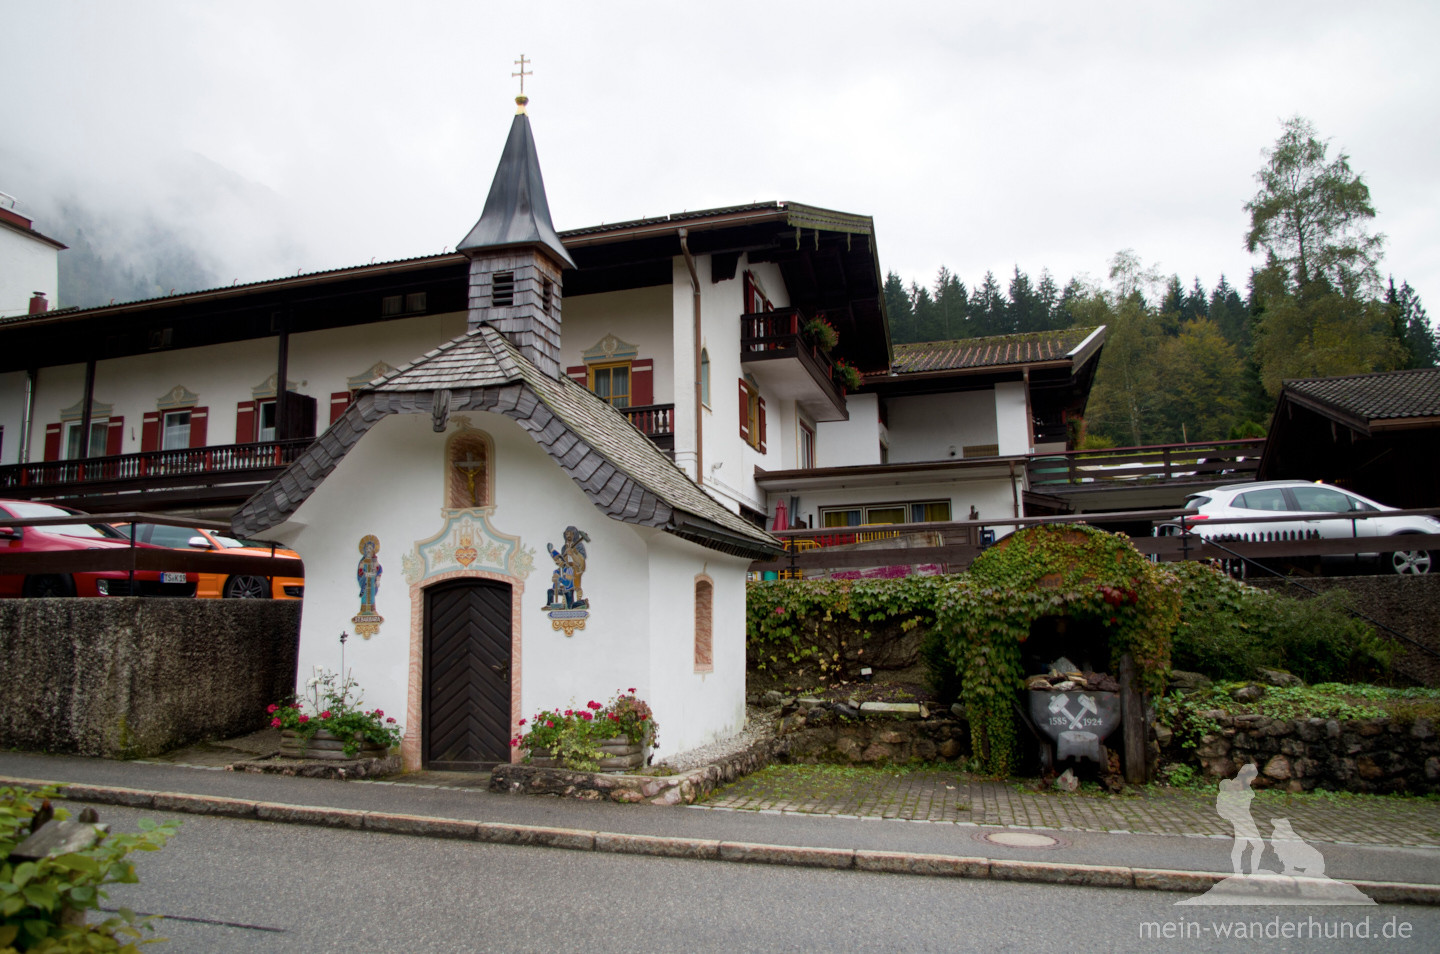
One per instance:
(704, 623)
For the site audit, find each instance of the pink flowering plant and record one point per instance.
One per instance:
(337, 706)
(573, 735)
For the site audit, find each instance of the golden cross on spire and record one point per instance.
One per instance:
(523, 72)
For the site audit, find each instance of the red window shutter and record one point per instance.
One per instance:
(199, 423)
(579, 374)
(52, 441)
(642, 382)
(760, 424)
(150, 432)
(114, 436)
(245, 422)
(339, 401)
(744, 411)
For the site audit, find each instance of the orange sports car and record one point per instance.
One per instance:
(218, 585)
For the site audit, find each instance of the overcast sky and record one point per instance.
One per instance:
(1048, 135)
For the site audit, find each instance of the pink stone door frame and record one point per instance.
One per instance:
(411, 747)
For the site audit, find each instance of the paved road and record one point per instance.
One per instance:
(1148, 849)
(250, 886)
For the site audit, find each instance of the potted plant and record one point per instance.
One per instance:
(336, 726)
(820, 331)
(847, 374)
(613, 737)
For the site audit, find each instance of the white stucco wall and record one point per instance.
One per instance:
(854, 442)
(930, 426)
(1012, 420)
(643, 317)
(12, 415)
(223, 375)
(390, 485)
(27, 265)
(695, 707)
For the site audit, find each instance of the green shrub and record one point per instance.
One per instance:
(1228, 629)
(36, 896)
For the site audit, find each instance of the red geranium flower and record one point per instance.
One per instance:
(274, 723)
(325, 714)
(272, 708)
(522, 721)
(389, 718)
(631, 689)
(304, 718)
(593, 704)
(549, 724)
(379, 712)
(586, 716)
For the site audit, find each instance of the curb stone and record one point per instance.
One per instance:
(895, 862)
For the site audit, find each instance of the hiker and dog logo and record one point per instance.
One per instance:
(1300, 877)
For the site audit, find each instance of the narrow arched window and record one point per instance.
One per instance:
(704, 615)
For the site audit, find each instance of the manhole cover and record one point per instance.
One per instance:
(1022, 839)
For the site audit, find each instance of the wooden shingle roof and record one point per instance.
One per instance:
(995, 351)
(625, 475)
(1383, 396)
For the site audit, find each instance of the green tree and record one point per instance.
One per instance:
(898, 310)
(1311, 216)
(1202, 396)
(951, 306)
(1319, 333)
(1412, 327)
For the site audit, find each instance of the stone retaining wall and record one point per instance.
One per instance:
(1360, 755)
(684, 788)
(128, 677)
(820, 735)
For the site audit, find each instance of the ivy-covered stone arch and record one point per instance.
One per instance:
(1075, 571)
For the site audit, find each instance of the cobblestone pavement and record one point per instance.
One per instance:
(947, 797)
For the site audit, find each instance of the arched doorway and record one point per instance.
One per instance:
(466, 703)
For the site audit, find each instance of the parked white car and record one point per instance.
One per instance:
(1307, 501)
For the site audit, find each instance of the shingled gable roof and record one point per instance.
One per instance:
(621, 471)
(1068, 344)
(1369, 402)
(516, 210)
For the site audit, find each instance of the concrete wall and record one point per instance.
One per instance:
(130, 677)
(928, 426)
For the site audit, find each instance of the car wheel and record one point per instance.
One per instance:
(44, 587)
(247, 588)
(1409, 562)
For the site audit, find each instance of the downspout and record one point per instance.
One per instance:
(1014, 491)
(85, 448)
(30, 375)
(699, 411)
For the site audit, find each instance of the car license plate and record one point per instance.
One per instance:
(172, 577)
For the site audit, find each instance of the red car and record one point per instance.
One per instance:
(77, 536)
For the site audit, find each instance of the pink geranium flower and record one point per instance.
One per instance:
(325, 714)
(304, 718)
(274, 723)
(272, 708)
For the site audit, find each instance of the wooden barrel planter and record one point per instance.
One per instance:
(616, 755)
(325, 745)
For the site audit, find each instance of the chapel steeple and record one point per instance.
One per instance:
(516, 256)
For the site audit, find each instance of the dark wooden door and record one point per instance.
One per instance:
(466, 717)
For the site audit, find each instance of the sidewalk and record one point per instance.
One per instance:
(941, 796)
(914, 823)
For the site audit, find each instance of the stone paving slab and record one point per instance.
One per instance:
(946, 797)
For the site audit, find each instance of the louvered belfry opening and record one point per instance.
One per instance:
(466, 703)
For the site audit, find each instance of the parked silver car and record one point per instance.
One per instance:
(1306, 501)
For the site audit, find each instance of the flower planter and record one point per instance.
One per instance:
(616, 755)
(325, 745)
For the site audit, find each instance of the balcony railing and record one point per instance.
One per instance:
(222, 459)
(1218, 461)
(778, 334)
(655, 421)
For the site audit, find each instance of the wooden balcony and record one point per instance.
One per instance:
(219, 475)
(655, 421)
(788, 365)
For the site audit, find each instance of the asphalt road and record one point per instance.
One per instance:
(245, 886)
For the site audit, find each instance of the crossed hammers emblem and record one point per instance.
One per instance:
(1060, 705)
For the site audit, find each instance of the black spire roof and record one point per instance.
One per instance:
(516, 212)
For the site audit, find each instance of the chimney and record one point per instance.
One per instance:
(38, 304)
